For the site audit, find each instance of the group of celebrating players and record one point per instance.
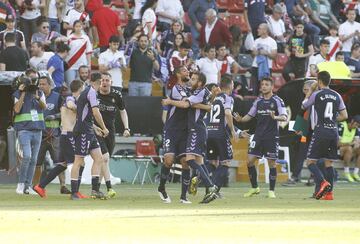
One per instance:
(199, 126)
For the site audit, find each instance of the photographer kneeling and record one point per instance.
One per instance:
(29, 105)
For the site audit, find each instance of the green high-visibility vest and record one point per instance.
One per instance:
(348, 135)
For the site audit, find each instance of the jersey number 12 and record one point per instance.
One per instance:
(214, 114)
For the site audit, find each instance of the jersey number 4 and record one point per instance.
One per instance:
(329, 110)
(214, 114)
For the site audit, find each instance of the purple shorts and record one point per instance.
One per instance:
(84, 143)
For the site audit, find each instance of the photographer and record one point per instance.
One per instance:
(51, 135)
(29, 105)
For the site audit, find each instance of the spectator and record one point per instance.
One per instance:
(209, 66)
(339, 56)
(53, 11)
(132, 42)
(168, 12)
(113, 61)
(264, 51)
(227, 64)
(84, 74)
(168, 37)
(29, 17)
(142, 63)
(148, 19)
(74, 14)
(105, 23)
(179, 39)
(80, 52)
(10, 27)
(335, 43)
(28, 122)
(214, 32)
(6, 11)
(277, 27)
(196, 13)
(354, 61)
(55, 65)
(313, 16)
(137, 10)
(254, 14)
(298, 49)
(349, 32)
(178, 58)
(317, 58)
(13, 58)
(40, 58)
(47, 37)
(322, 8)
(237, 40)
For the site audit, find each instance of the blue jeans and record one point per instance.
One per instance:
(195, 43)
(54, 25)
(70, 75)
(30, 142)
(314, 32)
(140, 88)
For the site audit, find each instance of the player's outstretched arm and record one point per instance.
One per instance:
(281, 117)
(201, 106)
(125, 121)
(179, 104)
(240, 119)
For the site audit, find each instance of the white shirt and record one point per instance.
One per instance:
(40, 63)
(107, 57)
(229, 61)
(268, 44)
(71, 16)
(314, 60)
(170, 7)
(52, 13)
(34, 13)
(210, 68)
(208, 30)
(75, 44)
(149, 17)
(137, 9)
(346, 29)
(333, 41)
(277, 27)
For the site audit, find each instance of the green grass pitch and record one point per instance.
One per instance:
(136, 215)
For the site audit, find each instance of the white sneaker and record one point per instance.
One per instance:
(20, 188)
(185, 201)
(164, 197)
(31, 191)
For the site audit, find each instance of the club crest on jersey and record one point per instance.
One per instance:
(182, 93)
(272, 105)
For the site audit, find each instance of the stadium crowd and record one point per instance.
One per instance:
(141, 45)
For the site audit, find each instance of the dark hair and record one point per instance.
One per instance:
(77, 21)
(332, 26)
(178, 69)
(106, 73)
(41, 20)
(95, 77)
(83, 67)
(39, 44)
(185, 45)
(355, 46)
(10, 37)
(201, 77)
(208, 47)
(298, 22)
(324, 77)
(339, 53)
(211, 85)
(324, 42)
(182, 36)
(267, 79)
(143, 35)
(226, 80)
(114, 39)
(62, 47)
(220, 46)
(148, 4)
(47, 78)
(75, 85)
(30, 71)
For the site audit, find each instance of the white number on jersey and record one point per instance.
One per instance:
(328, 110)
(214, 114)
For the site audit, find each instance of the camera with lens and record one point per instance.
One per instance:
(30, 84)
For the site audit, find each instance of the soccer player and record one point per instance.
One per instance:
(330, 109)
(268, 109)
(110, 101)
(175, 132)
(67, 141)
(85, 138)
(196, 138)
(220, 131)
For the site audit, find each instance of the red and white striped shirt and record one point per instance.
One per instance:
(79, 48)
